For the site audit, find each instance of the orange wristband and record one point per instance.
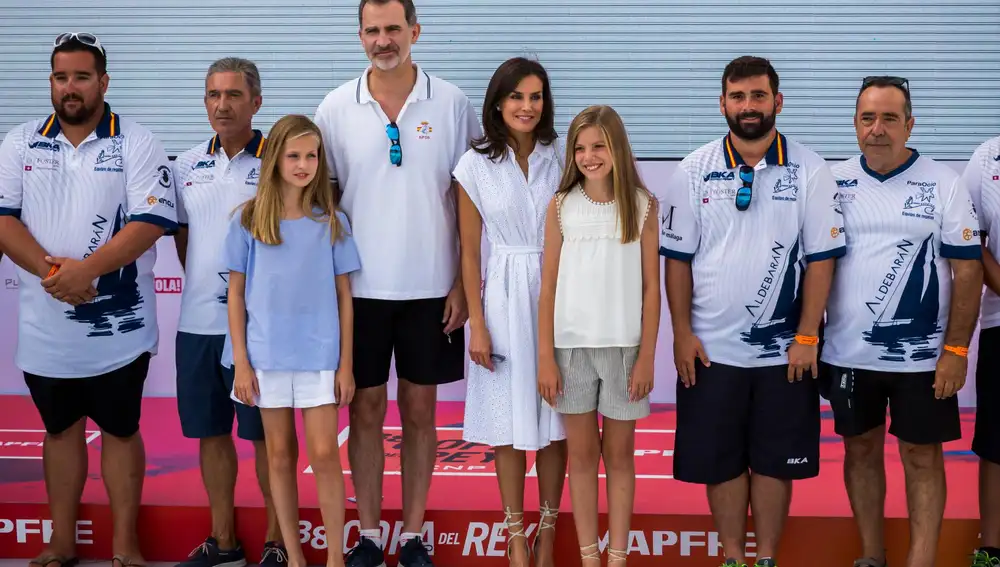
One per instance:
(807, 340)
(960, 351)
(52, 271)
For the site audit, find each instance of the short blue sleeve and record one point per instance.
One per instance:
(345, 251)
(237, 246)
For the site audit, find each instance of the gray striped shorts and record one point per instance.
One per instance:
(597, 378)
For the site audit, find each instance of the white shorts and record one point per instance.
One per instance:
(291, 389)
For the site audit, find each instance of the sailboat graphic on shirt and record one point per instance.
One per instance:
(910, 316)
(777, 318)
(224, 298)
(118, 298)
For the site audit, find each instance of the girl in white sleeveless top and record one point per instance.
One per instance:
(599, 314)
(505, 183)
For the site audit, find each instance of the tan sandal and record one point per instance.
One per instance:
(595, 554)
(49, 558)
(515, 528)
(617, 556)
(543, 524)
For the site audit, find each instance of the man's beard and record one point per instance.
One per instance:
(388, 65)
(79, 116)
(751, 132)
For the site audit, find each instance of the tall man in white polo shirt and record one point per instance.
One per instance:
(982, 179)
(393, 137)
(750, 235)
(903, 307)
(213, 179)
(84, 195)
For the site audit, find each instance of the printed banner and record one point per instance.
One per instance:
(170, 283)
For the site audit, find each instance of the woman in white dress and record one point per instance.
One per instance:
(505, 184)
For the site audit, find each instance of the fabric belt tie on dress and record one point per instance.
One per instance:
(516, 250)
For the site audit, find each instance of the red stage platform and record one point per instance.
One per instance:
(671, 525)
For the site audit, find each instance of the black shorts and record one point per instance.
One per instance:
(112, 400)
(986, 441)
(413, 331)
(203, 388)
(859, 398)
(738, 419)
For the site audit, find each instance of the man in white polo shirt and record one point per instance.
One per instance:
(902, 311)
(213, 179)
(982, 179)
(393, 136)
(750, 234)
(84, 195)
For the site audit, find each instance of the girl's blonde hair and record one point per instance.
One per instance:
(262, 214)
(624, 173)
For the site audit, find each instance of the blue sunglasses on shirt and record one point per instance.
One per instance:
(395, 150)
(745, 193)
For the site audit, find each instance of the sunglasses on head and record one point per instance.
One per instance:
(88, 39)
(900, 82)
(395, 150)
(745, 193)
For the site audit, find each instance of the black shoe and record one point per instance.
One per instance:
(365, 554)
(415, 554)
(274, 555)
(208, 554)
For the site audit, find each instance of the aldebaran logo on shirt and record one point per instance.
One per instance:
(775, 307)
(115, 309)
(905, 304)
(252, 177)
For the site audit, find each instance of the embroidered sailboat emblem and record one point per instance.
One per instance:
(117, 299)
(778, 316)
(910, 316)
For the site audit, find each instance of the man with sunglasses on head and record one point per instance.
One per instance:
(84, 195)
(903, 307)
(750, 235)
(982, 178)
(393, 136)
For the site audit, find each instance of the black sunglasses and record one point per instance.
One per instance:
(745, 193)
(887, 80)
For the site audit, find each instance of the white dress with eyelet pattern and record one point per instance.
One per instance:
(503, 407)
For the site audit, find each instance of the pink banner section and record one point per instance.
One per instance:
(170, 283)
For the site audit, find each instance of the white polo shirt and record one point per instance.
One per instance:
(748, 267)
(73, 201)
(404, 217)
(888, 307)
(982, 179)
(210, 187)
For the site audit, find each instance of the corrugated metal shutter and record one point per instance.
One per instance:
(657, 61)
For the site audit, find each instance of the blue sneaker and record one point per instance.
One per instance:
(365, 554)
(208, 554)
(274, 555)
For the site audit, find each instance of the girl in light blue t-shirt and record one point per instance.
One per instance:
(289, 253)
